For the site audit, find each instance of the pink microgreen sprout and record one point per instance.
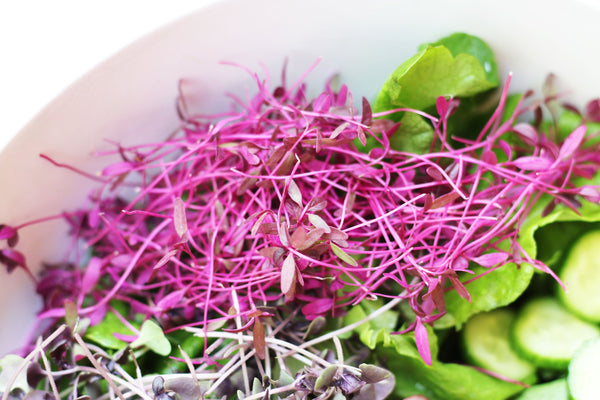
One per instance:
(275, 202)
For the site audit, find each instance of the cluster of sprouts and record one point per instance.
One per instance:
(279, 206)
(65, 365)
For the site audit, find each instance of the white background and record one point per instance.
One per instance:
(46, 45)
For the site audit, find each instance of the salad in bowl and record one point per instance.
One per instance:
(433, 239)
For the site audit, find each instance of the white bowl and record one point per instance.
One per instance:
(130, 97)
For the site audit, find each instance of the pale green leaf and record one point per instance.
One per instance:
(153, 337)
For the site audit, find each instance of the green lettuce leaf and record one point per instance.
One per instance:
(432, 72)
(152, 336)
(496, 289)
(459, 65)
(440, 381)
(556, 237)
(103, 332)
(459, 43)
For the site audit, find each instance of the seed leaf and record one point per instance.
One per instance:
(572, 142)
(371, 373)
(91, 275)
(258, 338)
(294, 192)
(343, 255)
(490, 259)
(318, 307)
(9, 365)
(326, 377)
(288, 274)
(185, 386)
(422, 340)
(71, 314)
(526, 132)
(170, 300)
(118, 168)
(179, 219)
(152, 336)
(532, 163)
(12, 259)
(336, 132)
(444, 199)
(258, 223)
(319, 222)
(367, 113)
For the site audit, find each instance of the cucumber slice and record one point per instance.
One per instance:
(486, 339)
(581, 275)
(584, 371)
(547, 334)
(554, 390)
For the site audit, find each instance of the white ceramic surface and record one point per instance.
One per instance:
(130, 97)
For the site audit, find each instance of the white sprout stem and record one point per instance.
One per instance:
(262, 394)
(49, 375)
(98, 366)
(229, 371)
(339, 351)
(352, 326)
(270, 340)
(238, 323)
(26, 360)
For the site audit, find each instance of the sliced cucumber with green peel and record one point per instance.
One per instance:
(584, 372)
(581, 275)
(486, 338)
(554, 390)
(547, 334)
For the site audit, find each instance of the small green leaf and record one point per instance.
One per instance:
(256, 386)
(71, 316)
(342, 254)
(376, 330)
(438, 381)
(8, 366)
(372, 373)
(103, 332)
(326, 377)
(152, 336)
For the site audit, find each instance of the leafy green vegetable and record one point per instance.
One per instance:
(459, 65)
(440, 381)
(431, 73)
(496, 289)
(103, 332)
(399, 354)
(376, 330)
(563, 237)
(414, 134)
(463, 43)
